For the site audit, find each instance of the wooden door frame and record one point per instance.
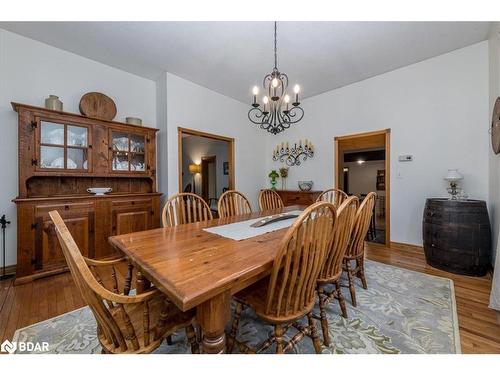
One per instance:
(230, 152)
(205, 160)
(378, 138)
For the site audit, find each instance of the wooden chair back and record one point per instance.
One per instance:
(344, 224)
(185, 208)
(269, 200)
(111, 309)
(232, 203)
(292, 285)
(334, 196)
(361, 225)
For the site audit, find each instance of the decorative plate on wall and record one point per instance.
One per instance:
(98, 105)
(495, 127)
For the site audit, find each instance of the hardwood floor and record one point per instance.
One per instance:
(42, 299)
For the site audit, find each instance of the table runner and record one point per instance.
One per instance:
(242, 230)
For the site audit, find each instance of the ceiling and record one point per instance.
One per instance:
(231, 57)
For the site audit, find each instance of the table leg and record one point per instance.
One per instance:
(212, 316)
(142, 283)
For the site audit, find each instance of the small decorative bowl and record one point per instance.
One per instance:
(99, 191)
(305, 185)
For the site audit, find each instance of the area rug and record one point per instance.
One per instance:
(401, 312)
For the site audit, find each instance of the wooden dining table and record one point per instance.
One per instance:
(201, 270)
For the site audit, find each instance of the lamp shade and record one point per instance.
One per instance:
(194, 168)
(453, 175)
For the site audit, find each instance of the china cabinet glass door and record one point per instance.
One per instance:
(63, 146)
(128, 151)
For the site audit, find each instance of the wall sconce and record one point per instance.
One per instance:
(292, 156)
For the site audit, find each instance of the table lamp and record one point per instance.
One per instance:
(453, 177)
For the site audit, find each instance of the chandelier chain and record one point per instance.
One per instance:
(275, 45)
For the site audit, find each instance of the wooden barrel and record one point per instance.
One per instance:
(457, 236)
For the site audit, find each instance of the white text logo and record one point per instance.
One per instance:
(11, 347)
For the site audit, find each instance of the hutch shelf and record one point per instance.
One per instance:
(63, 154)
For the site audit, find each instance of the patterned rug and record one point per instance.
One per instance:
(401, 312)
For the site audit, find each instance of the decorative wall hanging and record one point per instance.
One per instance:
(276, 114)
(292, 156)
(495, 127)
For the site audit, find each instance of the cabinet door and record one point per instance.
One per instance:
(132, 215)
(48, 252)
(134, 221)
(63, 146)
(128, 152)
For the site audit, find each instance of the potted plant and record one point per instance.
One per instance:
(273, 176)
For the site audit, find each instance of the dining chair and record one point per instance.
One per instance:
(289, 293)
(125, 323)
(269, 200)
(334, 196)
(356, 249)
(233, 203)
(332, 270)
(185, 208)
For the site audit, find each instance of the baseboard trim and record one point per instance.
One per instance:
(407, 246)
(9, 270)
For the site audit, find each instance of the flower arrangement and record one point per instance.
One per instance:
(283, 175)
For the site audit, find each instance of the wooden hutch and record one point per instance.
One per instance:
(61, 155)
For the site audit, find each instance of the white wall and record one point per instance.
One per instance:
(29, 72)
(437, 111)
(194, 148)
(195, 107)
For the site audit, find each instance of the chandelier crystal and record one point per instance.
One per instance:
(277, 113)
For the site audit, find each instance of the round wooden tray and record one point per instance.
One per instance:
(97, 105)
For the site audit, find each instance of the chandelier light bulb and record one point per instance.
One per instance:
(265, 100)
(255, 90)
(275, 82)
(287, 99)
(296, 89)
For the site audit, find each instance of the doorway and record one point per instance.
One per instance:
(206, 164)
(362, 164)
(209, 177)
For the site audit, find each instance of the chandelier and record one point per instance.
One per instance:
(277, 113)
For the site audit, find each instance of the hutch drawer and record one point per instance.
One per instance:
(293, 197)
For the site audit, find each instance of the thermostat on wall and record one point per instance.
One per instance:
(405, 158)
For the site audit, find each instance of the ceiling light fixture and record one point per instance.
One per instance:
(276, 114)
